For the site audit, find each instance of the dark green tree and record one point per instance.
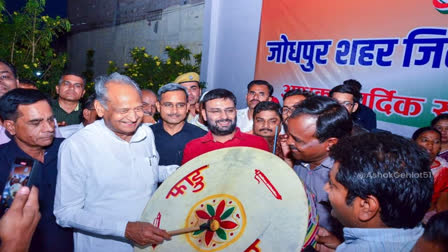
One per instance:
(26, 41)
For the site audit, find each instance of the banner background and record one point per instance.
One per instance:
(352, 19)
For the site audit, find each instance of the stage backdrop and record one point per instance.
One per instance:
(398, 50)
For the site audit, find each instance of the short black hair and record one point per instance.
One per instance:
(261, 82)
(347, 89)
(439, 118)
(28, 81)
(436, 230)
(10, 101)
(420, 131)
(87, 104)
(303, 92)
(75, 74)
(218, 93)
(353, 83)
(267, 106)
(391, 168)
(11, 67)
(333, 120)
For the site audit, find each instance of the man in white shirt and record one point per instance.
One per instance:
(257, 91)
(108, 171)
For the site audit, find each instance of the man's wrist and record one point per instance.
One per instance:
(16, 246)
(128, 230)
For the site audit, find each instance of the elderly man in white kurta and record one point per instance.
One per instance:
(108, 171)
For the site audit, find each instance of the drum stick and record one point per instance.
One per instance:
(275, 140)
(190, 229)
(184, 230)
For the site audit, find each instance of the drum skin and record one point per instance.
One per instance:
(254, 199)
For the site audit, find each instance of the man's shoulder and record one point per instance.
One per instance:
(242, 112)
(197, 141)
(156, 126)
(6, 148)
(354, 247)
(89, 133)
(57, 142)
(363, 109)
(194, 129)
(69, 130)
(251, 137)
(254, 141)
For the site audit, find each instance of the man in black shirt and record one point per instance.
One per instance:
(173, 132)
(28, 117)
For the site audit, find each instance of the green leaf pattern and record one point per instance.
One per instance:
(227, 213)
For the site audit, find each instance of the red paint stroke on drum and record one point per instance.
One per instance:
(254, 247)
(259, 175)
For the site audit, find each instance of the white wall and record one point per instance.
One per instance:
(180, 24)
(229, 50)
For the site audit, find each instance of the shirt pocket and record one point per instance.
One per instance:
(148, 172)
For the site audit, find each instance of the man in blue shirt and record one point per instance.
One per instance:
(380, 188)
(314, 127)
(173, 132)
(28, 117)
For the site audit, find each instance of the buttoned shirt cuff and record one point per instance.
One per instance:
(121, 228)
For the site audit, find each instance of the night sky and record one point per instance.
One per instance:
(53, 8)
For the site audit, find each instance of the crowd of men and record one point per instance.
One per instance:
(99, 161)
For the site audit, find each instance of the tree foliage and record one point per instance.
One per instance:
(151, 72)
(26, 41)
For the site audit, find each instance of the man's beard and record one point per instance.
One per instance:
(214, 128)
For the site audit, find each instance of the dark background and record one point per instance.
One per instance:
(53, 8)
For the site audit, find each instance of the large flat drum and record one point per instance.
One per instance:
(254, 201)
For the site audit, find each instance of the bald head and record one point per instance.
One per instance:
(149, 99)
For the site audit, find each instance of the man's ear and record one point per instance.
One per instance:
(99, 108)
(204, 114)
(270, 98)
(10, 126)
(57, 89)
(368, 208)
(330, 142)
(355, 107)
(86, 114)
(158, 106)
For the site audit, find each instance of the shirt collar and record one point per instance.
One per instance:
(209, 137)
(76, 109)
(139, 135)
(49, 152)
(382, 234)
(326, 164)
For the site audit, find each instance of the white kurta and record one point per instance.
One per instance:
(68, 131)
(243, 122)
(105, 182)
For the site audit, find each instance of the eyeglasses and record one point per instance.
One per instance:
(347, 104)
(75, 85)
(219, 111)
(287, 109)
(171, 105)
